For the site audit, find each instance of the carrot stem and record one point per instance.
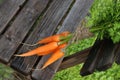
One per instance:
(66, 39)
(56, 38)
(97, 29)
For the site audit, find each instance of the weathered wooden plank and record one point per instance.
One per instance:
(108, 55)
(74, 59)
(90, 64)
(117, 60)
(46, 27)
(8, 8)
(20, 27)
(78, 11)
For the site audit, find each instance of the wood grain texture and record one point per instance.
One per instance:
(117, 57)
(94, 55)
(78, 11)
(46, 27)
(20, 27)
(8, 8)
(74, 59)
(108, 55)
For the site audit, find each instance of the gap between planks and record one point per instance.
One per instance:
(20, 27)
(46, 27)
(77, 13)
(9, 10)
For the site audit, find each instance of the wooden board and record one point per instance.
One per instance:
(8, 8)
(46, 27)
(91, 62)
(20, 27)
(108, 56)
(74, 59)
(117, 60)
(78, 11)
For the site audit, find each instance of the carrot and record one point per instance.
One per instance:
(48, 52)
(55, 56)
(65, 33)
(56, 38)
(42, 49)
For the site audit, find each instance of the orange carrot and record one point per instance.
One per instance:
(65, 33)
(48, 52)
(54, 57)
(55, 38)
(42, 49)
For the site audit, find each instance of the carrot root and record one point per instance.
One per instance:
(27, 44)
(41, 49)
(54, 57)
(52, 51)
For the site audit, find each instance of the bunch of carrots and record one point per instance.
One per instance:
(52, 44)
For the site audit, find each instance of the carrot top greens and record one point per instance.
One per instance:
(104, 19)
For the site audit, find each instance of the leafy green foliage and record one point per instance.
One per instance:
(75, 47)
(73, 73)
(6, 73)
(1, 1)
(105, 19)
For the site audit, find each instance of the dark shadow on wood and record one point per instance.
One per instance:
(74, 59)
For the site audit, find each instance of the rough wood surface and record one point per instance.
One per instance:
(46, 27)
(108, 55)
(94, 55)
(78, 11)
(117, 60)
(74, 59)
(20, 27)
(8, 8)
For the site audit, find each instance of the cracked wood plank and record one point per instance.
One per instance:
(76, 14)
(44, 28)
(8, 8)
(20, 27)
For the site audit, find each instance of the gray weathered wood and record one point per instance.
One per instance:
(20, 27)
(46, 27)
(78, 11)
(8, 8)
(108, 55)
(117, 60)
(74, 59)
(93, 57)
